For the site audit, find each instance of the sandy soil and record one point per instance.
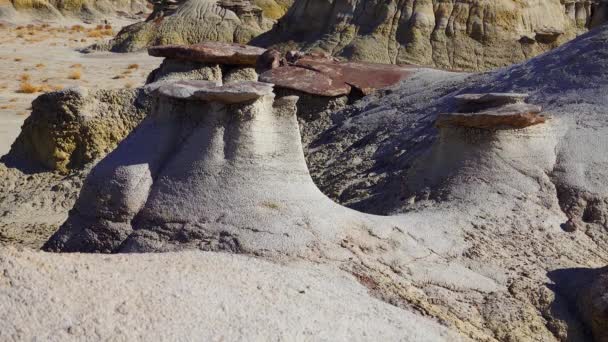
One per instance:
(44, 57)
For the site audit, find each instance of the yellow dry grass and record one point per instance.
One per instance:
(75, 74)
(27, 88)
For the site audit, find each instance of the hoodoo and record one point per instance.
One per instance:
(213, 168)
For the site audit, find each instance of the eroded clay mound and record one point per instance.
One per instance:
(70, 128)
(21, 10)
(462, 35)
(191, 22)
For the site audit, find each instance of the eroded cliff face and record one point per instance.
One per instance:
(451, 34)
(59, 9)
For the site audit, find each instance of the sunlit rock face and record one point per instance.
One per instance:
(455, 34)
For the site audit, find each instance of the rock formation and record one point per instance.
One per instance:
(70, 128)
(226, 171)
(535, 197)
(20, 10)
(455, 34)
(191, 22)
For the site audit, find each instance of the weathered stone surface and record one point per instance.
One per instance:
(305, 80)
(235, 92)
(193, 296)
(593, 305)
(519, 115)
(495, 99)
(210, 52)
(186, 22)
(173, 70)
(366, 77)
(456, 35)
(70, 128)
(90, 10)
(269, 60)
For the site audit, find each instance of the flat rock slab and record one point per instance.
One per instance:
(512, 116)
(210, 52)
(305, 80)
(366, 77)
(212, 92)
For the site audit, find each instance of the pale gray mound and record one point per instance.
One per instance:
(89, 10)
(192, 296)
(187, 22)
(455, 35)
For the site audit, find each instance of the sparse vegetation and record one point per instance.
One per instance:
(27, 88)
(133, 66)
(25, 77)
(75, 74)
(271, 205)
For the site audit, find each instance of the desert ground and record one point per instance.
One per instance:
(37, 58)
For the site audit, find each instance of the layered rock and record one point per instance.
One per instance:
(492, 111)
(462, 35)
(71, 128)
(191, 22)
(221, 161)
(21, 10)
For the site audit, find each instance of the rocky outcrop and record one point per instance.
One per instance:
(593, 305)
(533, 198)
(211, 53)
(71, 128)
(221, 158)
(22, 10)
(191, 22)
(492, 111)
(455, 34)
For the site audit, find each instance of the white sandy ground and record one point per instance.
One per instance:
(192, 296)
(48, 57)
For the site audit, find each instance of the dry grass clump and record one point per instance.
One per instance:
(77, 65)
(18, 59)
(75, 74)
(77, 28)
(40, 65)
(133, 66)
(25, 77)
(28, 88)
